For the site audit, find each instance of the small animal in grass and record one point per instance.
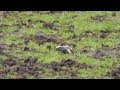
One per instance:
(64, 49)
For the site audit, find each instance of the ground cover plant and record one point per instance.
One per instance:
(28, 41)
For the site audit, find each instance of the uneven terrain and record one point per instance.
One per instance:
(28, 43)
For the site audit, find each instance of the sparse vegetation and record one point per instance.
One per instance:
(28, 41)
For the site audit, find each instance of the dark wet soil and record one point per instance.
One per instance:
(103, 52)
(99, 18)
(42, 38)
(48, 25)
(30, 66)
(51, 25)
(114, 73)
(9, 62)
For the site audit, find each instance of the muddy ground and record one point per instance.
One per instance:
(31, 67)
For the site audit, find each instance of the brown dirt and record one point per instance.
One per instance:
(99, 18)
(114, 73)
(2, 47)
(55, 66)
(86, 49)
(26, 49)
(42, 38)
(30, 59)
(103, 52)
(51, 25)
(9, 62)
(48, 25)
(32, 67)
(104, 33)
(87, 34)
(67, 62)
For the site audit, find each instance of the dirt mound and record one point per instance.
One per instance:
(67, 62)
(2, 48)
(48, 25)
(87, 34)
(30, 59)
(55, 66)
(29, 67)
(104, 52)
(108, 52)
(9, 62)
(66, 67)
(114, 73)
(51, 25)
(42, 38)
(99, 18)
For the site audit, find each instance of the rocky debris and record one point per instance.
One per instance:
(64, 49)
(28, 67)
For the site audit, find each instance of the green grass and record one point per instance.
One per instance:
(82, 22)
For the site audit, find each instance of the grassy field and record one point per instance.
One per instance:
(28, 40)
